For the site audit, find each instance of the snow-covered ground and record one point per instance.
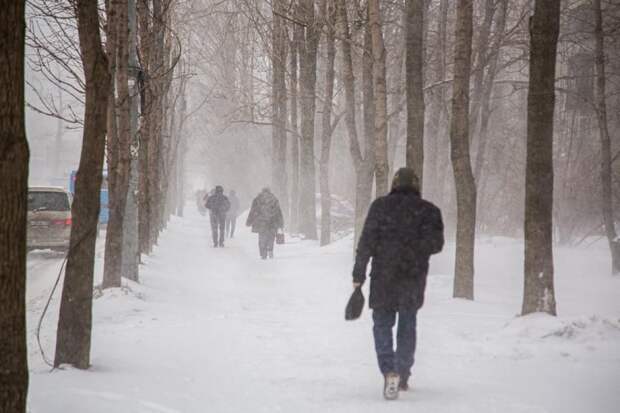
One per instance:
(219, 330)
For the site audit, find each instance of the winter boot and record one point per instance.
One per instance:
(403, 385)
(270, 253)
(391, 386)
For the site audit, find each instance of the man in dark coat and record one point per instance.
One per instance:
(231, 215)
(218, 205)
(265, 218)
(400, 234)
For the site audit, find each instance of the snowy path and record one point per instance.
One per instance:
(219, 330)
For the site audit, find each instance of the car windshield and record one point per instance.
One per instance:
(48, 201)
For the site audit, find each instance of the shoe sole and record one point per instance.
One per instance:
(393, 394)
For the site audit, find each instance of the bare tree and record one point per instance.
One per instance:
(14, 158)
(487, 87)
(539, 295)
(130, 251)
(75, 319)
(606, 158)
(297, 35)
(380, 94)
(327, 128)
(459, 152)
(307, 65)
(146, 126)
(414, 44)
(119, 142)
(278, 87)
(434, 136)
(363, 162)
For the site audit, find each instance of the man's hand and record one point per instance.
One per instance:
(356, 284)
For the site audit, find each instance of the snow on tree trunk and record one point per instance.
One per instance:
(538, 291)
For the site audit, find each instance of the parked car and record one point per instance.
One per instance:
(49, 218)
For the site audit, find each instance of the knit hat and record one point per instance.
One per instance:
(405, 178)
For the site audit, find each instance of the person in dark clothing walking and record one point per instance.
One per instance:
(265, 218)
(218, 205)
(400, 234)
(231, 215)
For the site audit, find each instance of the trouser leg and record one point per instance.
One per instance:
(214, 226)
(271, 238)
(262, 244)
(382, 331)
(222, 227)
(406, 342)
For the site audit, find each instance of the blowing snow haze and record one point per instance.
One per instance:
(191, 191)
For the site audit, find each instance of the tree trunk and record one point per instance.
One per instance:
(539, 295)
(459, 153)
(414, 36)
(157, 69)
(327, 130)
(144, 211)
(367, 168)
(293, 67)
(308, 58)
(348, 79)
(278, 87)
(601, 112)
(75, 319)
(380, 92)
(485, 108)
(479, 65)
(436, 169)
(130, 251)
(167, 130)
(181, 153)
(14, 158)
(120, 147)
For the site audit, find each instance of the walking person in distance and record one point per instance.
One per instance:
(266, 219)
(218, 205)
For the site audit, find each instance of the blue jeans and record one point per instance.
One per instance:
(401, 360)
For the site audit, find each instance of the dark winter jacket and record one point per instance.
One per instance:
(218, 204)
(400, 234)
(265, 213)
